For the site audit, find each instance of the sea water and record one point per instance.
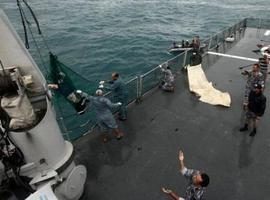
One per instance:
(97, 37)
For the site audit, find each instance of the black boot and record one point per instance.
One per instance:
(244, 128)
(253, 132)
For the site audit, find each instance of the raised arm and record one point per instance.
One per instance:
(112, 86)
(181, 159)
(183, 169)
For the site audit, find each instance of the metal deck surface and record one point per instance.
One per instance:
(136, 167)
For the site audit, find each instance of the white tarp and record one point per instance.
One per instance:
(19, 110)
(199, 84)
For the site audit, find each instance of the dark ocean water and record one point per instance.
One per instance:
(96, 37)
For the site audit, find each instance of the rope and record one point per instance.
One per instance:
(24, 27)
(38, 50)
(2, 67)
(27, 24)
(34, 40)
(38, 26)
(33, 15)
(46, 43)
(26, 21)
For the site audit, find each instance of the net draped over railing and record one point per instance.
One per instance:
(74, 126)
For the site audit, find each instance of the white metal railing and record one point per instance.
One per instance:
(140, 85)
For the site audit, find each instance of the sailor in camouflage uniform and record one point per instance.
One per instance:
(255, 77)
(264, 62)
(197, 183)
(168, 83)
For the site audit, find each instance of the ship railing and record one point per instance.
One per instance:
(137, 87)
(220, 36)
(143, 84)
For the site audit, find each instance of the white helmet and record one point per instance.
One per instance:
(99, 92)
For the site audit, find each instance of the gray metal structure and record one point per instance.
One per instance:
(48, 157)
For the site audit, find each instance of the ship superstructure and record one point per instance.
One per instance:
(34, 154)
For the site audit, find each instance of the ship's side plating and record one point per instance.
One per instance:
(48, 157)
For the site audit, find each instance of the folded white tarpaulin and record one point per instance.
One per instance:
(20, 110)
(199, 84)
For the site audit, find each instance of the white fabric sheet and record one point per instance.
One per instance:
(20, 110)
(199, 84)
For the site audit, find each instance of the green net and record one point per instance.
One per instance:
(71, 124)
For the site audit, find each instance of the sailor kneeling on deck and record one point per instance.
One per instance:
(168, 83)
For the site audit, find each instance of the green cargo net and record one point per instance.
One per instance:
(71, 123)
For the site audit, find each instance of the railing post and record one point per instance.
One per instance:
(217, 44)
(245, 22)
(210, 42)
(185, 57)
(139, 88)
(260, 23)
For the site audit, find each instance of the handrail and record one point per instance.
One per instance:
(140, 88)
(148, 72)
(143, 75)
(225, 29)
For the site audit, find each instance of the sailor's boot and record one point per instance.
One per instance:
(253, 132)
(244, 128)
(118, 134)
(105, 138)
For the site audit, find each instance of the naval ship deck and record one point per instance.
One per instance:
(146, 159)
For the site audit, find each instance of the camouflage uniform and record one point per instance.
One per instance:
(264, 67)
(168, 83)
(193, 192)
(252, 80)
